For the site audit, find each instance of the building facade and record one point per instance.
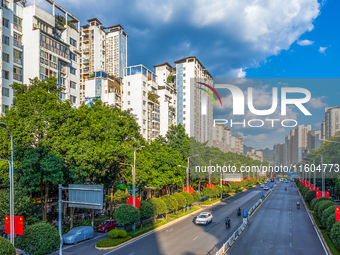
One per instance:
(255, 155)
(236, 145)
(221, 138)
(313, 139)
(279, 154)
(331, 123)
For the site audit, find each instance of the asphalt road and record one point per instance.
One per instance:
(182, 237)
(278, 227)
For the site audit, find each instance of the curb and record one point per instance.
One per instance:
(316, 227)
(147, 233)
(248, 219)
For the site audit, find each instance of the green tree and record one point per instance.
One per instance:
(322, 206)
(197, 196)
(208, 192)
(320, 199)
(326, 213)
(335, 235)
(181, 202)
(171, 204)
(118, 197)
(330, 222)
(126, 214)
(146, 212)
(189, 199)
(39, 239)
(6, 248)
(310, 195)
(159, 207)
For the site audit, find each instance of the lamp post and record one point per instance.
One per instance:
(210, 169)
(11, 192)
(322, 174)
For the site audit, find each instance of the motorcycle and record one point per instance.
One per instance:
(227, 224)
(298, 206)
(238, 213)
(285, 189)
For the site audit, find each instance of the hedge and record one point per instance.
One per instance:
(330, 222)
(197, 196)
(180, 200)
(323, 206)
(6, 248)
(326, 213)
(316, 201)
(310, 195)
(335, 235)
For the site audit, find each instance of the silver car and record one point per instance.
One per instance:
(78, 234)
(204, 218)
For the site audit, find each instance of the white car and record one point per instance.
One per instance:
(204, 218)
(265, 188)
(265, 181)
(262, 185)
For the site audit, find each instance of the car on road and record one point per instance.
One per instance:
(78, 234)
(265, 188)
(265, 181)
(262, 185)
(204, 218)
(107, 225)
(286, 181)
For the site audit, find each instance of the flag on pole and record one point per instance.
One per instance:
(337, 213)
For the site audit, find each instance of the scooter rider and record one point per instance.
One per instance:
(239, 211)
(298, 204)
(227, 221)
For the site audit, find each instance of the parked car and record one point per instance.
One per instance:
(78, 234)
(107, 225)
(265, 188)
(204, 218)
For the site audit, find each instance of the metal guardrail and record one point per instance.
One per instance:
(238, 231)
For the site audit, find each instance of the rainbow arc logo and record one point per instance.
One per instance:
(209, 93)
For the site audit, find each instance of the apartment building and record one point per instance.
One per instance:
(103, 87)
(194, 106)
(140, 96)
(331, 123)
(236, 145)
(167, 96)
(103, 49)
(36, 43)
(221, 138)
(255, 155)
(313, 139)
(279, 155)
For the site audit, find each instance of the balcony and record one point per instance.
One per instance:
(17, 44)
(86, 50)
(17, 77)
(17, 27)
(17, 60)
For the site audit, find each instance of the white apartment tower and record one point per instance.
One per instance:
(167, 96)
(331, 123)
(103, 49)
(36, 43)
(194, 106)
(139, 95)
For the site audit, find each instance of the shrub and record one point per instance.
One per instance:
(171, 203)
(126, 214)
(188, 198)
(114, 233)
(218, 190)
(335, 235)
(311, 202)
(304, 190)
(330, 222)
(6, 248)
(146, 211)
(122, 233)
(316, 201)
(310, 195)
(326, 213)
(159, 207)
(323, 206)
(208, 192)
(39, 239)
(197, 196)
(180, 200)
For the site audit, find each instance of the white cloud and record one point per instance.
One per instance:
(322, 49)
(305, 42)
(236, 73)
(316, 102)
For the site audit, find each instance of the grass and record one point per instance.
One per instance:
(207, 202)
(317, 221)
(329, 242)
(309, 207)
(110, 242)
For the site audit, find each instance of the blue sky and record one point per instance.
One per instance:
(232, 38)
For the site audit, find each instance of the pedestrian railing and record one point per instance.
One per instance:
(238, 231)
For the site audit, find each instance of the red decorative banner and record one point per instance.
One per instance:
(130, 201)
(326, 193)
(18, 225)
(318, 194)
(189, 189)
(337, 213)
(210, 186)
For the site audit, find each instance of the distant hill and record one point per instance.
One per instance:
(266, 152)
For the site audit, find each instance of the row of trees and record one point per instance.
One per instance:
(56, 143)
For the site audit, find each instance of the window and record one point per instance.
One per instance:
(5, 74)
(5, 22)
(73, 85)
(5, 40)
(144, 93)
(73, 56)
(144, 102)
(184, 75)
(128, 83)
(183, 68)
(184, 81)
(72, 70)
(144, 112)
(5, 92)
(144, 131)
(17, 20)
(128, 102)
(4, 108)
(17, 37)
(6, 5)
(144, 83)
(73, 42)
(184, 106)
(144, 122)
(128, 93)
(5, 57)
(73, 99)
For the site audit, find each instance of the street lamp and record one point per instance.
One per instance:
(210, 169)
(187, 172)
(322, 174)
(11, 188)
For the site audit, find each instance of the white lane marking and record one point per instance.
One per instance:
(290, 226)
(169, 230)
(290, 233)
(195, 238)
(290, 245)
(131, 253)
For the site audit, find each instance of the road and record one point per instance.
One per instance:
(278, 227)
(182, 237)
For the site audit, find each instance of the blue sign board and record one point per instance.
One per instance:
(261, 194)
(245, 213)
(295, 176)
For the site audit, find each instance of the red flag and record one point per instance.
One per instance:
(7, 224)
(317, 189)
(189, 189)
(326, 193)
(318, 194)
(337, 213)
(137, 201)
(310, 189)
(18, 225)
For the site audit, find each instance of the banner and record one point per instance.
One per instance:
(337, 213)
(130, 201)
